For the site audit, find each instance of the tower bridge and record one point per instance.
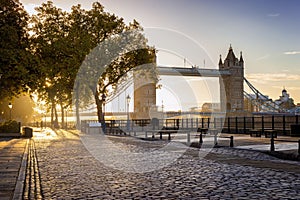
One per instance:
(230, 73)
(231, 79)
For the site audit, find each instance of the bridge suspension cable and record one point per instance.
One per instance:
(120, 89)
(260, 100)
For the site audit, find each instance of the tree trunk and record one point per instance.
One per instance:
(56, 118)
(99, 103)
(77, 106)
(52, 113)
(62, 115)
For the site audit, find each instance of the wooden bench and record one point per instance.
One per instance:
(255, 133)
(270, 133)
(202, 130)
(167, 132)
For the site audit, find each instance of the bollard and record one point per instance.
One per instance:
(231, 141)
(298, 147)
(215, 139)
(200, 140)
(272, 145)
(188, 138)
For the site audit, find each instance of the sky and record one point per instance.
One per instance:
(197, 32)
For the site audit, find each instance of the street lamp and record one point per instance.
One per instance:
(162, 107)
(103, 105)
(67, 118)
(128, 101)
(10, 108)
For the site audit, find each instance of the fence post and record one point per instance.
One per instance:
(221, 123)
(262, 124)
(283, 121)
(202, 122)
(273, 121)
(253, 122)
(297, 120)
(228, 122)
(231, 141)
(208, 122)
(244, 125)
(236, 125)
(272, 144)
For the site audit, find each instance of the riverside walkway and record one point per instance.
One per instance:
(13, 160)
(72, 165)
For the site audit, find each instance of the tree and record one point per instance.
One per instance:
(50, 45)
(87, 29)
(62, 41)
(113, 62)
(17, 65)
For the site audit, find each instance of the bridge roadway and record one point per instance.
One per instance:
(194, 71)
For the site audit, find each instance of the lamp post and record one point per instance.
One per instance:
(103, 113)
(128, 101)
(66, 118)
(10, 108)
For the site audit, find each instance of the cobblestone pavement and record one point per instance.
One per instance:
(32, 188)
(69, 171)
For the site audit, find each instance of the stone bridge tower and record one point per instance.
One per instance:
(144, 91)
(232, 86)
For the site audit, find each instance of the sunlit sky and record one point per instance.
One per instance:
(266, 31)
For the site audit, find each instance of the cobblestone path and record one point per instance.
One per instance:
(69, 171)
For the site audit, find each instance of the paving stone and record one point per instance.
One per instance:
(69, 171)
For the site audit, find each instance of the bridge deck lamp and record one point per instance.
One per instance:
(10, 108)
(128, 98)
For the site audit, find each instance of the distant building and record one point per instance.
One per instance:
(255, 103)
(248, 105)
(285, 101)
(195, 109)
(211, 107)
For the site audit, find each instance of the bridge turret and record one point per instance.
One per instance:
(230, 60)
(220, 62)
(241, 59)
(232, 86)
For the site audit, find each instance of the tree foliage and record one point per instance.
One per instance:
(112, 62)
(47, 60)
(17, 65)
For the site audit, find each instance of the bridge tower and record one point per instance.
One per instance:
(145, 91)
(232, 86)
